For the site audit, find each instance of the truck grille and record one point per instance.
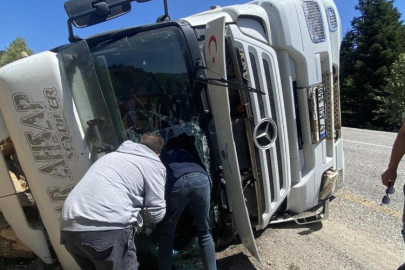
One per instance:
(261, 109)
(273, 113)
(274, 184)
(336, 99)
(314, 21)
(333, 24)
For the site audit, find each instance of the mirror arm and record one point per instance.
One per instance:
(166, 9)
(73, 38)
(166, 16)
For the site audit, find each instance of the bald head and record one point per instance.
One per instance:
(153, 142)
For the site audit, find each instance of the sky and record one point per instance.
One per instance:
(43, 23)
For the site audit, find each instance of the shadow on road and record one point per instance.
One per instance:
(235, 262)
(313, 227)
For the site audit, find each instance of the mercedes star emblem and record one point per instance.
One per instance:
(265, 133)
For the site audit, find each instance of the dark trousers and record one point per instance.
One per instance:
(192, 190)
(102, 250)
(403, 219)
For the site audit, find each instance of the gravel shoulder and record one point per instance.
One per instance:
(335, 243)
(359, 234)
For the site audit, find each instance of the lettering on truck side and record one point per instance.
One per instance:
(59, 195)
(245, 72)
(54, 144)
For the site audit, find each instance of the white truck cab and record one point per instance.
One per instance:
(254, 86)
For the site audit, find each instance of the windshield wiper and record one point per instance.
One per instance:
(225, 83)
(221, 81)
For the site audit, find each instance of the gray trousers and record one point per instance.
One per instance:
(102, 250)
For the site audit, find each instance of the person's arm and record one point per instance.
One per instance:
(398, 150)
(155, 204)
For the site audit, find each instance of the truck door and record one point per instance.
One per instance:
(215, 62)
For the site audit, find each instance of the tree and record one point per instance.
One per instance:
(13, 52)
(368, 51)
(394, 106)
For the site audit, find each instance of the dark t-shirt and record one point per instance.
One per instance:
(179, 162)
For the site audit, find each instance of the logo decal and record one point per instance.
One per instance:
(52, 144)
(265, 133)
(214, 40)
(242, 58)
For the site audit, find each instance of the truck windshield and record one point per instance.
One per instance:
(148, 74)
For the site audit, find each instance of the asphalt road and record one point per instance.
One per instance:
(359, 234)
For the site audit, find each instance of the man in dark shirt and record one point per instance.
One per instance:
(389, 177)
(187, 184)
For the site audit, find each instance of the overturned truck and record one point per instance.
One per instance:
(254, 87)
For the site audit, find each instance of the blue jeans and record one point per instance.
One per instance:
(192, 190)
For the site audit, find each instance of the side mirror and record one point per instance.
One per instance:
(85, 13)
